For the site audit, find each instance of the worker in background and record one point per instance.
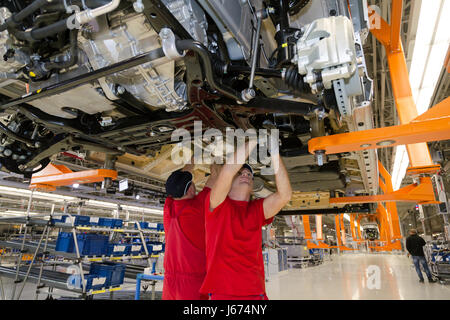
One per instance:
(414, 245)
(234, 261)
(184, 226)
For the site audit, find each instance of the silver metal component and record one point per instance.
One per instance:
(327, 45)
(7, 152)
(320, 157)
(191, 17)
(106, 121)
(168, 44)
(138, 6)
(255, 51)
(10, 65)
(120, 90)
(233, 19)
(90, 14)
(123, 37)
(248, 94)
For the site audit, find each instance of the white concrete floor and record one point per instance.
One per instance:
(347, 277)
(343, 278)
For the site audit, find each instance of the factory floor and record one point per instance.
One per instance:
(347, 276)
(356, 276)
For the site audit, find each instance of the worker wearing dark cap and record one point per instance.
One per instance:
(233, 222)
(184, 226)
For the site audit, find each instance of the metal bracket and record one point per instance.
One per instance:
(168, 44)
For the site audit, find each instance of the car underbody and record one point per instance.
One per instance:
(114, 80)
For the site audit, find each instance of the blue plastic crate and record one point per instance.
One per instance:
(94, 221)
(135, 248)
(110, 222)
(152, 226)
(118, 275)
(64, 243)
(157, 247)
(79, 220)
(113, 272)
(117, 249)
(143, 224)
(95, 282)
(88, 244)
(61, 219)
(149, 249)
(92, 244)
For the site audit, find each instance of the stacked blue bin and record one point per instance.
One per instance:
(110, 222)
(143, 224)
(88, 244)
(151, 226)
(79, 220)
(135, 248)
(113, 272)
(117, 249)
(94, 282)
(156, 247)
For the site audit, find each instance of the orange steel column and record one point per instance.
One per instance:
(390, 206)
(338, 230)
(389, 36)
(306, 227)
(343, 237)
(352, 226)
(358, 227)
(319, 233)
(384, 228)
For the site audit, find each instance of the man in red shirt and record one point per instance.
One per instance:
(184, 226)
(234, 262)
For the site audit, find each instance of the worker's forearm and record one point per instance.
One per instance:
(235, 161)
(282, 179)
(214, 170)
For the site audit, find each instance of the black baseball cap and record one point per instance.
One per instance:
(247, 166)
(178, 183)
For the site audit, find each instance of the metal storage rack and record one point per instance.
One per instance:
(44, 248)
(439, 269)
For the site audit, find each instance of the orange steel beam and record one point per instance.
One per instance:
(338, 230)
(58, 175)
(358, 226)
(413, 135)
(343, 236)
(391, 206)
(419, 155)
(306, 227)
(319, 231)
(352, 226)
(421, 193)
(430, 126)
(319, 245)
(396, 21)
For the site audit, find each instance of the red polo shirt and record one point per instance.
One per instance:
(234, 262)
(192, 220)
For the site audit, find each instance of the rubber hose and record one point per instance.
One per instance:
(73, 54)
(15, 19)
(204, 55)
(41, 33)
